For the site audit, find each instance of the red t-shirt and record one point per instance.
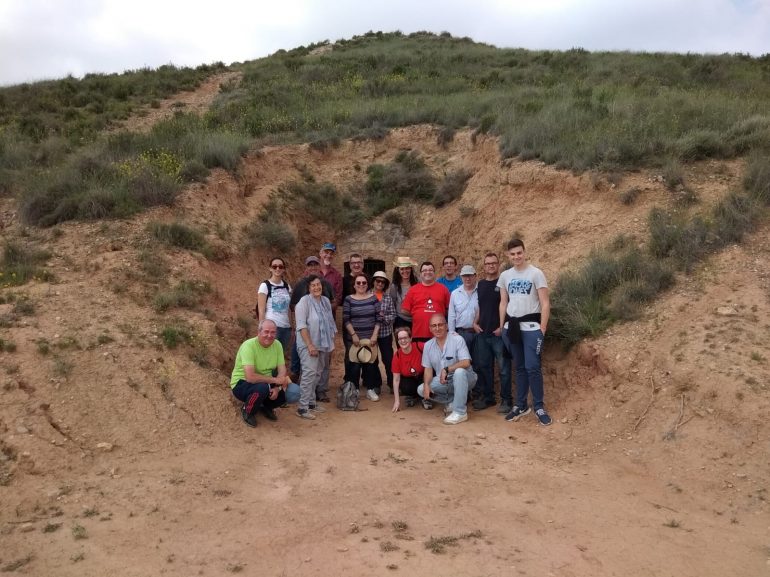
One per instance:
(422, 302)
(408, 365)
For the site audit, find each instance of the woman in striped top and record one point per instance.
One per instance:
(360, 319)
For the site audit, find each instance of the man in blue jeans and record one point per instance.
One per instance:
(525, 307)
(252, 381)
(489, 341)
(448, 374)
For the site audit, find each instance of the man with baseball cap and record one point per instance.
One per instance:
(331, 274)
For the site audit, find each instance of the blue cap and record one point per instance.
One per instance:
(329, 246)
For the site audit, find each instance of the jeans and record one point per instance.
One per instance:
(526, 360)
(313, 370)
(284, 337)
(385, 344)
(454, 392)
(489, 349)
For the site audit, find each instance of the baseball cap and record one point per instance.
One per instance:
(310, 259)
(329, 246)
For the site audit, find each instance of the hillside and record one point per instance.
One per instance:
(118, 433)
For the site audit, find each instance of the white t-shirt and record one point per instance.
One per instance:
(277, 305)
(521, 287)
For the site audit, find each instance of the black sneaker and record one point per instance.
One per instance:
(543, 417)
(250, 420)
(505, 407)
(269, 413)
(410, 401)
(517, 413)
(427, 404)
(481, 404)
(323, 398)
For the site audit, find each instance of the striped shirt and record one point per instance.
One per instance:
(362, 314)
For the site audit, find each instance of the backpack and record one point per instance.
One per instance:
(269, 285)
(347, 397)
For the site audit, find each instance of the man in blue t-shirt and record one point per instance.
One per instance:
(450, 279)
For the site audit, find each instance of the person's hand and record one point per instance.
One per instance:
(312, 351)
(477, 329)
(274, 393)
(443, 375)
(497, 332)
(426, 391)
(396, 405)
(356, 340)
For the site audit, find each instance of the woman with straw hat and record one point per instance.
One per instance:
(403, 279)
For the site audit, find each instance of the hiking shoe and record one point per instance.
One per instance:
(410, 401)
(481, 404)
(317, 408)
(447, 409)
(517, 413)
(543, 417)
(427, 404)
(323, 398)
(372, 395)
(250, 420)
(505, 407)
(269, 413)
(455, 418)
(305, 414)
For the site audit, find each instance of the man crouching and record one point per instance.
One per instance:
(448, 374)
(253, 383)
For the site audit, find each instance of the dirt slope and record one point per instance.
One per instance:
(119, 456)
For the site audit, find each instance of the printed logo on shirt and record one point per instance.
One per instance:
(429, 306)
(518, 286)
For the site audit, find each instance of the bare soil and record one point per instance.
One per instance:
(119, 456)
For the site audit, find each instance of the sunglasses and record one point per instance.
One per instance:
(277, 266)
(361, 283)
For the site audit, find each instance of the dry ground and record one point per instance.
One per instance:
(121, 457)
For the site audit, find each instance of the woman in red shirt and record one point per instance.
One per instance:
(407, 369)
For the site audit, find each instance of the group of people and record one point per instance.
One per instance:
(449, 332)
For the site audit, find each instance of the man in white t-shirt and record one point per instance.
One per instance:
(525, 307)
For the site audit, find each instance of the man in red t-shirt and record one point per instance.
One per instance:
(425, 300)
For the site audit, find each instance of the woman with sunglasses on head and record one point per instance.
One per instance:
(273, 297)
(407, 369)
(361, 320)
(403, 279)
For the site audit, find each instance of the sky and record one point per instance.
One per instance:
(45, 39)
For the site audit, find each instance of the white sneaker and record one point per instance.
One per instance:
(455, 419)
(317, 408)
(372, 395)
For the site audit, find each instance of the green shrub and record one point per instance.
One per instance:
(175, 335)
(673, 175)
(178, 234)
(186, 294)
(406, 178)
(322, 202)
(21, 263)
(756, 180)
(7, 346)
(629, 196)
(445, 136)
(269, 234)
(452, 187)
(194, 171)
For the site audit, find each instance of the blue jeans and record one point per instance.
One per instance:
(454, 392)
(284, 337)
(489, 349)
(526, 359)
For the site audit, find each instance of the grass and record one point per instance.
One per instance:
(438, 545)
(185, 294)
(179, 235)
(22, 263)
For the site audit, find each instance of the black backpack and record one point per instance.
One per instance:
(284, 286)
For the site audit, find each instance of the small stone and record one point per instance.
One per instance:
(481, 435)
(564, 420)
(342, 549)
(27, 527)
(106, 447)
(726, 311)
(22, 430)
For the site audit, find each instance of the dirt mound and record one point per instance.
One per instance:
(113, 443)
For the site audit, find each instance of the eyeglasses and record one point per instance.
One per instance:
(361, 283)
(490, 263)
(427, 270)
(437, 325)
(277, 266)
(358, 262)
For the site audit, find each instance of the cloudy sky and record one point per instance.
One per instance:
(42, 39)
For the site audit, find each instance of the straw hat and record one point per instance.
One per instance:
(363, 353)
(403, 262)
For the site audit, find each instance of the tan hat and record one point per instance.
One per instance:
(383, 276)
(403, 262)
(363, 353)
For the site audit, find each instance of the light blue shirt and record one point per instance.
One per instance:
(455, 350)
(462, 308)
